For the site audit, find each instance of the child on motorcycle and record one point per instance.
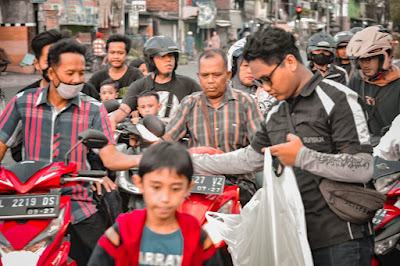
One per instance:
(109, 89)
(148, 102)
(158, 234)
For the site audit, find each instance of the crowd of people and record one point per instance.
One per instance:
(319, 118)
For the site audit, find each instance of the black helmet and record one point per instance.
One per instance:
(160, 45)
(320, 40)
(343, 37)
(354, 30)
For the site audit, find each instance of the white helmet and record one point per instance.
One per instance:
(372, 41)
(234, 52)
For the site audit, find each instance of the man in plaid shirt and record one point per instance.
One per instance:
(233, 115)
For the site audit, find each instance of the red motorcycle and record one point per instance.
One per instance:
(34, 216)
(211, 194)
(387, 219)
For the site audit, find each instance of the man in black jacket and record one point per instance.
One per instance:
(329, 140)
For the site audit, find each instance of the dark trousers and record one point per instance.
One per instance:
(357, 252)
(84, 237)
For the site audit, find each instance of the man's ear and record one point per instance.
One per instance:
(36, 64)
(291, 62)
(191, 185)
(51, 74)
(229, 74)
(138, 181)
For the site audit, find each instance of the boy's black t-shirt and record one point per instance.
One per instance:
(132, 74)
(179, 86)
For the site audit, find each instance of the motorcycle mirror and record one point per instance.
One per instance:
(92, 138)
(111, 105)
(154, 125)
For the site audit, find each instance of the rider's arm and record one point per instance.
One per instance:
(3, 149)
(357, 168)
(176, 128)
(245, 160)
(118, 115)
(389, 145)
(117, 161)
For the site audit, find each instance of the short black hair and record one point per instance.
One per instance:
(120, 38)
(137, 62)
(43, 39)
(166, 155)
(64, 46)
(110, 81)
(271, 45)
(213, 53)
(149, 93)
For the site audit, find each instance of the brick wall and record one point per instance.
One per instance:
(163, 5)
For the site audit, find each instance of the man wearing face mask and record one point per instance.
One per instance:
(52, 117)
(41, 44)
(320, 52)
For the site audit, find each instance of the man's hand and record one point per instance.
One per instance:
(287, 152)
(107, 183)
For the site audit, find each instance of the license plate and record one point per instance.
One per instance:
(379, 215)
(208, 184)
(39, 206)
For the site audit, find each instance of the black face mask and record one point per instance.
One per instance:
(44, 75)
(321, 59)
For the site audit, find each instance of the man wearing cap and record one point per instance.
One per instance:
(99, 47)
(190, 46)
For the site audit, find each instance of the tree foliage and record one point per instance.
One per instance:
(395, 13)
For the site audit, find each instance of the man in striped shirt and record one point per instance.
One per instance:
(218, 116)
(52, 118)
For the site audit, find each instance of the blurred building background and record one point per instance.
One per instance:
(21, 20)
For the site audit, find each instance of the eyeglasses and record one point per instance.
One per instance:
(265, 80)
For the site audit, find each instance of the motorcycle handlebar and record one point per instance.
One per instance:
(82, 178)
(92, 173)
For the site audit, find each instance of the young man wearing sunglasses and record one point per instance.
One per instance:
(318, 127)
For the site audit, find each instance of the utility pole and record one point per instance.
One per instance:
(276, 11)
(122, 27)
(328, 16)
(181, 27)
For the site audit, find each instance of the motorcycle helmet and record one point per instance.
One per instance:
(354, 30)
(342, 37)
(370, 42)
(160, 45)
(321, 41)
(234, 53)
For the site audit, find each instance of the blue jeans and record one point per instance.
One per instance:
(356, 252)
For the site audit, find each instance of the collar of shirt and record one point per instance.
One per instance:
(228, 96)
(42, 99)
(312, 84)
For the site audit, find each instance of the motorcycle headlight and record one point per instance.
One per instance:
(41, 241)
(226, 208)
(385, 245)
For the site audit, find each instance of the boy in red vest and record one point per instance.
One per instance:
(157, 235)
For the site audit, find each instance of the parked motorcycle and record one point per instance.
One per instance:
(34, 216)
(387, 219)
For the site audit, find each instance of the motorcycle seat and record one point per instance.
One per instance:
(26, 169)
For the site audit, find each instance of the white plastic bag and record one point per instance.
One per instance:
(271, 228)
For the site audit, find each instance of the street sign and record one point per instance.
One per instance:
(139, 6)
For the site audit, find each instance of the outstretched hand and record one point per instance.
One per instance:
(287, 152)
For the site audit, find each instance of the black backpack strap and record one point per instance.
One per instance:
(169, 104)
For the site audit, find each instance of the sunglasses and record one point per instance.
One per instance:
(265, 80)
